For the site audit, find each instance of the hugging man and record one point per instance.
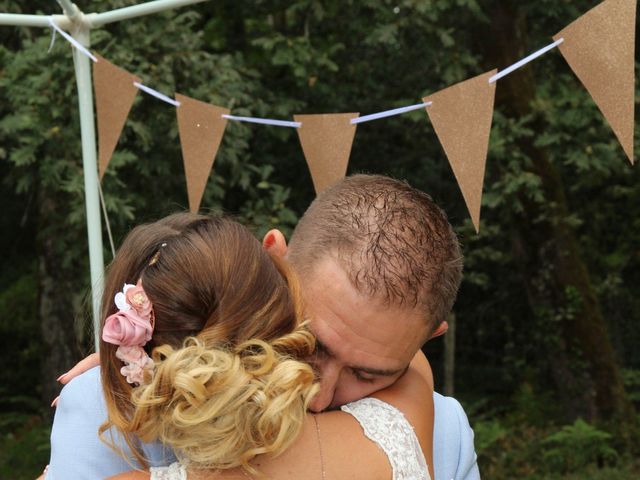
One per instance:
(379, 266)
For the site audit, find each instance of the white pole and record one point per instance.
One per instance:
(99, 19)
(70, 9)
(20, 20)
(89, 165)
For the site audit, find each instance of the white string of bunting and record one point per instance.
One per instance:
(284, 123)
(598, 46)
(525, 60)
(157, 94)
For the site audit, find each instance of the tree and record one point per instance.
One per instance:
(555, 276)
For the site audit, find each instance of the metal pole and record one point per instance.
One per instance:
(20, 20)
(89, 163)
(70, 9)
(99, 19)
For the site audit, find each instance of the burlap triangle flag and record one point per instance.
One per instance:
(326, 141)
(115, 93)
(201, 127)
(461, 116)
(599, 47)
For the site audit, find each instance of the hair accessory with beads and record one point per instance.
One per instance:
(156, 255)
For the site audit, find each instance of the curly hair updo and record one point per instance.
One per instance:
(228, 344)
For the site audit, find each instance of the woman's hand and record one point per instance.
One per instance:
(82, 366)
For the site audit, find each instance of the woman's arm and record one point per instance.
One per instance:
(87, 363)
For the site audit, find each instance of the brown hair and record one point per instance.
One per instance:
(210, 279)
(393, 241)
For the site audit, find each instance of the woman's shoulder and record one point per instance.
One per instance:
(387, 426)
(331, 445)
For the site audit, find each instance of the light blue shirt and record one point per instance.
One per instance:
(76, 449)
(77, 452)
(454, 456)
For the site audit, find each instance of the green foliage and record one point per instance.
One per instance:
(631, 379)
(20, 346)
(169, 54)
(487, 434)
(578, 446)
(24, 446)
(512, 448)
(266, 207)
(624, 472)
(24, 434)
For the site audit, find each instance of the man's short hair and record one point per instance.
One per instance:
(394, 243)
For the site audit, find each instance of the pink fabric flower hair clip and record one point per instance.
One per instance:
(131, 328)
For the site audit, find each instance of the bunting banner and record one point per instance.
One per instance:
(201, 127)
(600, 47)
(461, 116)
(115, 93)
(326, 141)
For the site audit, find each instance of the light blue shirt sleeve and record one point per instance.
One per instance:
(76, 449)
(454, 456)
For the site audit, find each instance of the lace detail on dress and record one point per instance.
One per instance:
(388, 427)
(175, 471)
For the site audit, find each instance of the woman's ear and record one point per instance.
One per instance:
(275, 243)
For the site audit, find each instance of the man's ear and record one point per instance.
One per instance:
(275, 243)
(441, 330)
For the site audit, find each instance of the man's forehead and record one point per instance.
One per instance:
(377, 370)
(355, 328)
(375, 354)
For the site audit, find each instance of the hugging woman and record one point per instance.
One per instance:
(203, 374)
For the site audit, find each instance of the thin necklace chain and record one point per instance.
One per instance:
(324, 472)
(322, 466)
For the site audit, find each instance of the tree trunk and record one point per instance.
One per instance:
(556, 279)
(56, 308)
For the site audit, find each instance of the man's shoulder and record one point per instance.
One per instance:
(83, 391)
(454, 453)
(450, 410)
(77, 451)
(88, 377)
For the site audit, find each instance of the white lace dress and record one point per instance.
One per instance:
(382, 423)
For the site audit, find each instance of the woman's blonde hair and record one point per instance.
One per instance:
(229, 382)
(219, 408)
